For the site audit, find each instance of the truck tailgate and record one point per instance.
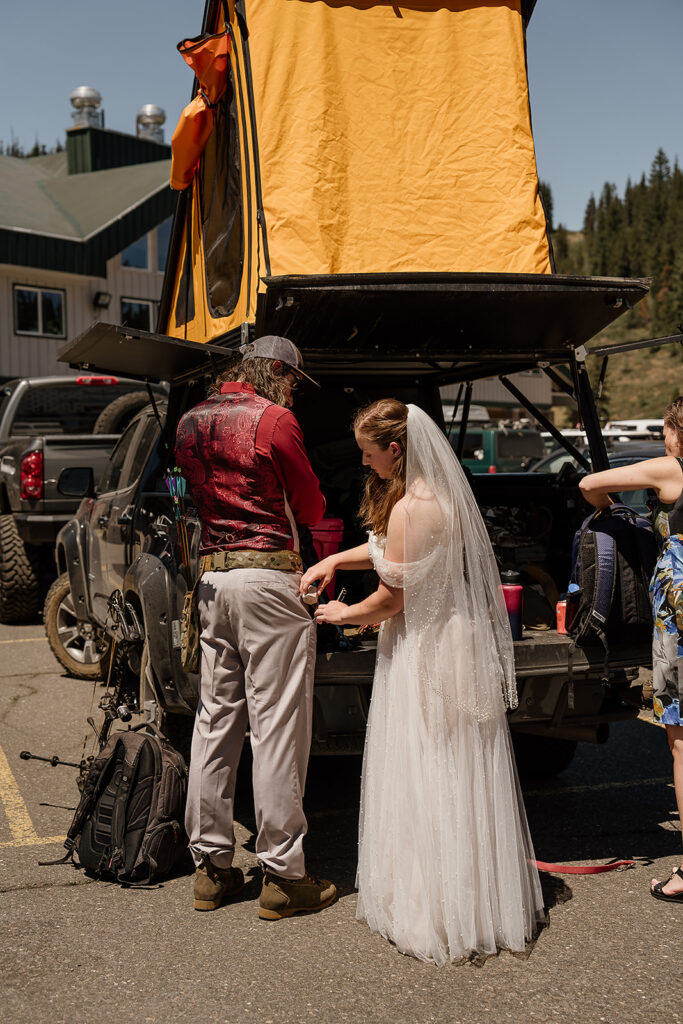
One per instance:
(538, 653)
(64, 451)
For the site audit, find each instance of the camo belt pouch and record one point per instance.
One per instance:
(189, 632)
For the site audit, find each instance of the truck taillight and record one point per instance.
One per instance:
(31, 478)
(492, 469)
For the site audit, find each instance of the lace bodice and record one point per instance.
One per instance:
(403, 575)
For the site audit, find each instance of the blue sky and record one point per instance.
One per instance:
(605, 76)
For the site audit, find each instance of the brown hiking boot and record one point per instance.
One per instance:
(284, 897)
(212, 885)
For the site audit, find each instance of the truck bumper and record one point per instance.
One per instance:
(39, 529)
(550, 703)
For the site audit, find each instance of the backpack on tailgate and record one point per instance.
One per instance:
(613, 558)
(129, 823)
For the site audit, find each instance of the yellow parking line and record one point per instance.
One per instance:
(26, 640)
(33, 842)
(19, 820)
(20, 824)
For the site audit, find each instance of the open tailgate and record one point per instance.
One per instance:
(445, 326)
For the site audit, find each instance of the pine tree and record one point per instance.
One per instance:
(546, 195)
(640, 235)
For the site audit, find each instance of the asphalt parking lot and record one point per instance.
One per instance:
(78, 949)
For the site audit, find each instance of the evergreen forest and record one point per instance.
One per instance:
(639, 234)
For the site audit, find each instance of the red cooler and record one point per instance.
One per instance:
(327, 536)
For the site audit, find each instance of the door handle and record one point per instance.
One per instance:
(102, 521)
(126, 517)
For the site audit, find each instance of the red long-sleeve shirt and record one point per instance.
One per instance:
(246, 466)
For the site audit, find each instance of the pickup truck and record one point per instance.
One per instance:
(56, 434)
(120, 557)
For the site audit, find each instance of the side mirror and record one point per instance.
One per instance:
(76, 482)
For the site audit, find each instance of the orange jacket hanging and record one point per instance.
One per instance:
(207, 56)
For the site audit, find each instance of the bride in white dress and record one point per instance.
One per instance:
(445, 868)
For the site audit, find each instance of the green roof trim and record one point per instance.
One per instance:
(76, 222)
(97, 149)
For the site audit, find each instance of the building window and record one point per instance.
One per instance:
(163, 239)
(136, 254)
(137, 313)
(39, 311)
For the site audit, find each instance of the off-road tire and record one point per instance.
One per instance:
(116, 416)
(65, 643)
(542, 757)
(19, 575)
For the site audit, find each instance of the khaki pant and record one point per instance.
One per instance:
(257, 665)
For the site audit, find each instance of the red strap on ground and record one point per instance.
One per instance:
(584, 869)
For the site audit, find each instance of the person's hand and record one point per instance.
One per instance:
(321, 574)
(332, 612)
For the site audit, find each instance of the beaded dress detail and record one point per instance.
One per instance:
(444, 867)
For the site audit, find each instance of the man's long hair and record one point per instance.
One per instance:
(259, 373)
(383, 422)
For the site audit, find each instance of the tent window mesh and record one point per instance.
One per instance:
(220, 187)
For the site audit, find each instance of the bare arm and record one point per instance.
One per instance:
(386, 601)
(323, 572)
(662, 475)
(383, 604)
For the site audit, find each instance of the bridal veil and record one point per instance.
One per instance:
(445, 859)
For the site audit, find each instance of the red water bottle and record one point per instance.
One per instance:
(511, 582)
(561, 614)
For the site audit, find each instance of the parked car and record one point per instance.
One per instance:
(639, 428)
(498, 449)
(258, 247)
(122, 561)
(56, 434)
(619, 455)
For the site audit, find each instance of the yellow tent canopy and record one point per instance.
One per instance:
(357, 138)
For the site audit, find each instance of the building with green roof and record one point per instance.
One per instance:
(83, 236)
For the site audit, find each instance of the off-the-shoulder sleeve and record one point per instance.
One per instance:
(400, 575)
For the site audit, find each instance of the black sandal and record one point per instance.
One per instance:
(674, 897)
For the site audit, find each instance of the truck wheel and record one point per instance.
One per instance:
(83, 649)
(19, 575)
(542, 757)
(118, 414)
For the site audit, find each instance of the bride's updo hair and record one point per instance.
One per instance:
(673, 419)
(383, 422)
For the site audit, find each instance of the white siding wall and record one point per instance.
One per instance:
(22, 355)
(533, 384)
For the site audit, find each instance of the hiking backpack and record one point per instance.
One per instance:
(129, 823)
(613, 558)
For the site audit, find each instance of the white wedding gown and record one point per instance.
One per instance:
(445, 857)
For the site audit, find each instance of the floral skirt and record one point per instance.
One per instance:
(666, 678)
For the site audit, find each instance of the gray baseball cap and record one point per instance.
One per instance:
(272, 347)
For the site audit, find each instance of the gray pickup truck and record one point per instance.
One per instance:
(120, 556)
(56, 434)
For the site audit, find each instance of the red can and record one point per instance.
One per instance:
(561, 613)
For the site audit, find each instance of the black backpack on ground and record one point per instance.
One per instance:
(613, 558)
(128, 825)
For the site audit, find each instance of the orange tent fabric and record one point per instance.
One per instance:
(207, 56)
(363, 137)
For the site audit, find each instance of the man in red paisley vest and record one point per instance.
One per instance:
(242, 454)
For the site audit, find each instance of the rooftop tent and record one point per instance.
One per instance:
(357, 138)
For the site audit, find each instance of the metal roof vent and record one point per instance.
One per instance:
(86, 100)
(149, 121)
